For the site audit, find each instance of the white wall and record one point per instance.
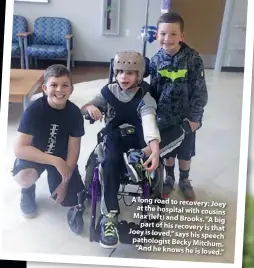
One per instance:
(235, 48)
(91, 45)
(85, 15)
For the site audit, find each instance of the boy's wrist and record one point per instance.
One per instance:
(154, 145)
(54, 160)
(155, 152)
(31, 153)
(71, 166)
(85, 107)
(195, 119)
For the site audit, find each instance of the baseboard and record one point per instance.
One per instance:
(232, 69)
(92, 63)
(106, 64)
(45, 63)
(42, 64)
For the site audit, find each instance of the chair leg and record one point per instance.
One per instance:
(69, 62)
(69, 54)
(27, 61)
(31, 62)
(73, 62)
(22, 61)
(25, 52)
(36, 63)
(21, 53)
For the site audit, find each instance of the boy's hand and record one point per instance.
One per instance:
(194, 125)
(63, 169)
(60, 191)
(152, 162)
(94, 112)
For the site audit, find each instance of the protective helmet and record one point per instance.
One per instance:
(129, 60)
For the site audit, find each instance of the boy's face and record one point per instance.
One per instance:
(58, 90)
(127, 79)
(169, 35)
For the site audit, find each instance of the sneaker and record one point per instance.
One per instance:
(109, 232)
(168, 186)
(27, 202)
(187, 190)
(134, 162)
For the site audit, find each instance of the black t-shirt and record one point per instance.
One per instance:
(50, 127)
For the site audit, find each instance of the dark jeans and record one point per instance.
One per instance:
(113, 165)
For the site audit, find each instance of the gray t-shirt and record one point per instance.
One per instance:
(148, 108)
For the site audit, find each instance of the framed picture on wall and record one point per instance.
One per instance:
(33, 1)
(110, 17)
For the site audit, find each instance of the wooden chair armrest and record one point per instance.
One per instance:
(69, 36)
(25, 34)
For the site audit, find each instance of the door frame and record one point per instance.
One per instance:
(224, 33)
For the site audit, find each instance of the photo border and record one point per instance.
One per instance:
(129, 262)
(33, 1)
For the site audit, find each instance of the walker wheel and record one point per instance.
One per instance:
(76, 224)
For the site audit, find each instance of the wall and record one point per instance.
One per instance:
(235, 48)
(90, 44)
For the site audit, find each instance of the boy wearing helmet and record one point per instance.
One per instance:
(126, 101)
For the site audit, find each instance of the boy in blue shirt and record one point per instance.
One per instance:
(178, 85)
(179, 88)
(49, 137)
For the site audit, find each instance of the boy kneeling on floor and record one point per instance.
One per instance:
(49, 136)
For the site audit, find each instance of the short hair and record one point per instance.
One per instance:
(171, 17)
(56, 70)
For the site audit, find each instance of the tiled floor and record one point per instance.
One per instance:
(214, 175)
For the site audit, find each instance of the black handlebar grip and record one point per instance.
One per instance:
(89, 118)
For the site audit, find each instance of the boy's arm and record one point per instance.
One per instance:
(150, 130)
(23, 149)
(199, 96)
(73, 152)
(153, 160)
(98, 101)
(153, 78)
(147, 109)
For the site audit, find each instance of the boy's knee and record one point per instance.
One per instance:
(26, 178)
(170, 161)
